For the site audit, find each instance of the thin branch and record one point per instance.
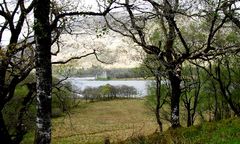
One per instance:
(59, 82)
(74, 58)
(80, 57)
(77, 13)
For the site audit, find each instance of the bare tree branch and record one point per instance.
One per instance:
(74, 58)
(77, 13)
(80, 57)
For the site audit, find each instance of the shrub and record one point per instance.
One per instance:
(108, 92)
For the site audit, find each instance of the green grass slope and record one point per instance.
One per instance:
(222, 132)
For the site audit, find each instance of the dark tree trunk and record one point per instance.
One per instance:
(21, 129)
(189, 119)
(157, 112)
(4, 135)
(43, 71)
(2, 83)
(173, 74)
(187, 105)
(217, 115)
(175, 98)
(196, 98)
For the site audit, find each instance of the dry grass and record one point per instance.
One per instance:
(117, 120)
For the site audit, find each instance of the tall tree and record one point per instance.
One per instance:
(14, 64)
(43, 71)
(192, 85)
(17, 54)
(165, 11)
(43, 30)
(175, 47)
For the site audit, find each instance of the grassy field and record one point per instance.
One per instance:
(131, 122)
(117, 120)
(93, 122)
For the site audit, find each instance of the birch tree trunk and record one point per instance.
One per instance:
(43, 71)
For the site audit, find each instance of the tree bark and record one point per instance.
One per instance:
(2, 83)
(4, 135)
(189, 118)
(175, 98)
(43, 71)
(158, 94)
(217, 116)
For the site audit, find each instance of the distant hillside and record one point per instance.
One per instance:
(90, 33)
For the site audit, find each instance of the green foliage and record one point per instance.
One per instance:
(142, 72)
(150, 67)
(62, 98)
(11, 110)
(151, 98)
(232, 37)
(108, 92)
(21, 91)
(155, 38)
(225, 72)
(61, 102)
(106, 89)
